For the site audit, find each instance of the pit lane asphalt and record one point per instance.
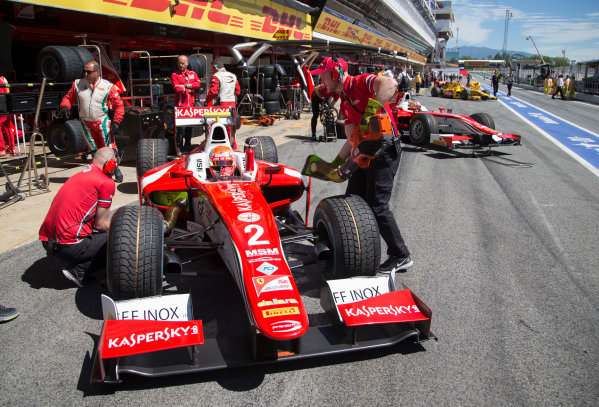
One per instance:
(505, 257)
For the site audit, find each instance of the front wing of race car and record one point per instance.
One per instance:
(383, 318)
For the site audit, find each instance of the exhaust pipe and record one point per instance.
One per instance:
(172, 213)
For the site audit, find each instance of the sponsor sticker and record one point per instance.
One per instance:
(286, 326)
(248, 217)
(267, 268)
(278, 312)
(276, 301)
(271, 283)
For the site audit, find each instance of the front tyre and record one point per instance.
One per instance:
(346, 226)
(264, 147)
(135, 253)
(421, 128)
(151, 153)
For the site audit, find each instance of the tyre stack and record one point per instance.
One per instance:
(269, 83)
(58, 63)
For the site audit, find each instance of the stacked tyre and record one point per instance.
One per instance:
(58, 63)
(246, 76)
(268, 85)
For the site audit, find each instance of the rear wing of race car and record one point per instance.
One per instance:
(363, 313)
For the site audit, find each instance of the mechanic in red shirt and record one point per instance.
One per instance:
(363, 96)
(5, 127)
(81, 205)
(185, 82)
(95, 96)
(225, 86)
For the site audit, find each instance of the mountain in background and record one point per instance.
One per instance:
(483, 52)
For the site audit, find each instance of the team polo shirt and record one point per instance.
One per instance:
(72, 215)
(359, 89)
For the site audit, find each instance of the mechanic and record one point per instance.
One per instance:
(363, 96)
(510, 82)
(6, 314)
(225, 86)
(559, 87)
(95, 96)
(495, 82)
(572, 88)
(185, 82)
(81, 205)
(418, 82)
(5, 128)
(319, 95)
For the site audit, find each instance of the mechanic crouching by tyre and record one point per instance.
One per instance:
(362, 97)
(81, 206)
(185, 82)
(95, 96)
(225, 86)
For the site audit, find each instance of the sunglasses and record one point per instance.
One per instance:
(89, 72)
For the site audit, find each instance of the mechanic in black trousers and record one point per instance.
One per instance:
(362, 97)
(319, 95)
(81, 206)
(495, 83)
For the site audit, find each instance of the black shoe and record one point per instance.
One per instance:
(394, 263)
(313, 136)
(73, 276)
(6, 314)
(118, 175)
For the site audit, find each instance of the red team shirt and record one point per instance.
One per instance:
(359, 89)
(73, 211)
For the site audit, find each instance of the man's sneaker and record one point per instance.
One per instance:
(6, 314)
(74, 277)
(118, 175)
(394, 263)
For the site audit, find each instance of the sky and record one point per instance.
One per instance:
(554, 26)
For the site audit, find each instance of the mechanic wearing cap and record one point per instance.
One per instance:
(81, 205)
(95, 96)
(362, 97)
(225, 86)
(185, 82)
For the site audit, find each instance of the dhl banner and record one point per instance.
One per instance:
(340, 26)
(255, 19)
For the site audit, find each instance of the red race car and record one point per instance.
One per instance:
(446, 128)
(236, 206)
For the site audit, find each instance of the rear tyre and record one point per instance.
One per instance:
(434, 92)
(484, 119)
(421, 128)
(264, 147)
(151, 153)
(66, 137)
(135, 253)
(465, 94)
(347, 227)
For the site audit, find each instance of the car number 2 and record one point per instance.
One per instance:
(259, 231)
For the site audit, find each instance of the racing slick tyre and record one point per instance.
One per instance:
(421, 128)
(264, 147)
(484, 119)
(268, 71)
(66, 137)
(347, 227)
(273, 106)
(151, 152)
(465, 94)
(434, 92)
(59, 64)
(135, 253)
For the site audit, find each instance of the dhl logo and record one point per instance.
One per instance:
(215, 16)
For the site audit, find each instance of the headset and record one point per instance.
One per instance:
(111, 164)
(337, 72)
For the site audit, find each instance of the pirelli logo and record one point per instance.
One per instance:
(279, 312)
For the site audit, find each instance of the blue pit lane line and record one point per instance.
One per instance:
(581, 144)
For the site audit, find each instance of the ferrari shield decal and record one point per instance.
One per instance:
(271, 283)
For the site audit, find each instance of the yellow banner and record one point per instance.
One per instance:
(339, 28)
(254, 19)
